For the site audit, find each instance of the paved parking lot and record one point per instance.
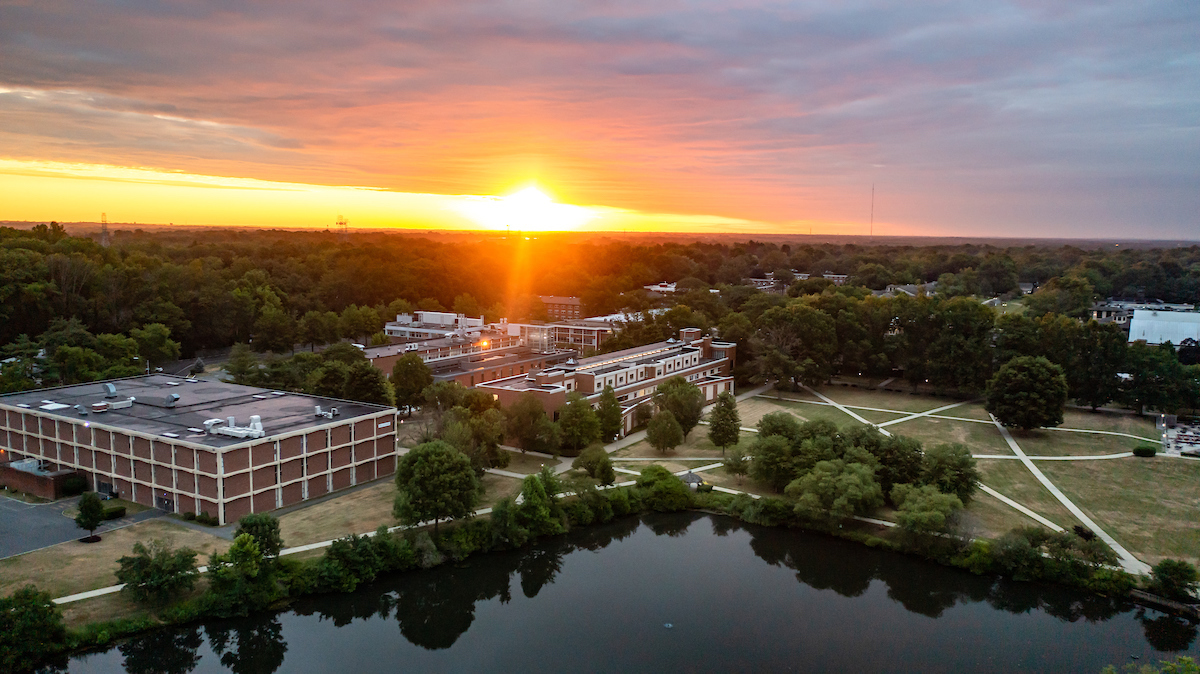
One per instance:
(25, 527)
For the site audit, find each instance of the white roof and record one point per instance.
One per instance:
(1157, 327)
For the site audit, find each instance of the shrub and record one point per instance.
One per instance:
(264, 529)
(206, 519)
(154, 574)
(1145, 450)
(32, 627)
(74, 485)
(596, 463)
(1174, 579)
(114, 513)
(189, 516)
(619, 499)
(770, 512)
(466, 538)
(427, 553)
(661, 491)
(578, 513)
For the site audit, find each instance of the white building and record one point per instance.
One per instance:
(1158, 327)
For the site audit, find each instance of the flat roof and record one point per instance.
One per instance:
(199, 400)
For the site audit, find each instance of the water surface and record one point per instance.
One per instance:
(681, 592)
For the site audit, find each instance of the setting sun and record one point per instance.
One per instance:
(527, 210)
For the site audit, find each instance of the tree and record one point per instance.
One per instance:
(33, 629)
(91, 514)
(772, 464)
(950, 468)
(155, 343)
(435, 482)
(242, 365)
(155, 574)
(1155, 378)
(264, 529)
(410, 377)
(737, 464)
(1028, 393)
(577, 422)
(664, 432)
(596, 463)
(275, 330)
(329, 380)
(239, 581)
(366, 383)
(1101, 352)
(803, 336)
(683, 399)
(526, 421)
(609, 413)
(836, 489)
(1174, 579)
(1068, 295)
(924, 509)
(725, 424)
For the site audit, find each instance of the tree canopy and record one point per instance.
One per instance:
(1027, 393)
(434, 482)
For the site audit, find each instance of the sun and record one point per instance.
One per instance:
(529, 210)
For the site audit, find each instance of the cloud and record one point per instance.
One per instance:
(753, 111)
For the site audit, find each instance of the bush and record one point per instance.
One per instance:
(1145, 450)
(154, 574)
(189, 516)
(596, 463)
(1174, 579)
(32, 627)
(114, 513)
(578, 513)
(619, 499)
(74, 485)
(208, 520)
(661, 491)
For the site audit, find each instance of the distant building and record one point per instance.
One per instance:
(906, 290)
(558, 307)
(633, 373)
(432, 325)
(1159, 327)
(662, 288)
(189, 446)
(837, 279)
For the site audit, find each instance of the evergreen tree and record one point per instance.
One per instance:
(410, 378)
(609, 413)
(724, 423)
(91, 513)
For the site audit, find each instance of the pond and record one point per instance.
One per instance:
(687, 592)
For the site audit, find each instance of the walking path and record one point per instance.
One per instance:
(918, 415)
(1128, 561)
(1122, 455)
(845, 409)
(1007, 501)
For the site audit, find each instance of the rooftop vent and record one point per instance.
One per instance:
(110, 391)
(254, 430)
(328, 414)
(172, 399)
(122, 404)
(83, 411)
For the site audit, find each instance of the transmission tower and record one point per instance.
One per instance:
(343, 228)
(104, 230)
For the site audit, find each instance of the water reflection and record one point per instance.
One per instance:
(433, 609)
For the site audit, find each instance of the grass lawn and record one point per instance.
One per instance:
(1151, 506)
(879, 417)
(73, 567)
(1063, 443)
(527, 464)
(1112, 421)
(1011, 478)
(885, 400)
(968, 411)
(721, 478)
(980, 438)
(355, 512)
(496, 488)
(760, 407)
(989, 517)
(697, 445)
(97, 609)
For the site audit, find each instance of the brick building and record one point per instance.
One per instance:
(200, 446)
(633, 373)
(560, 308)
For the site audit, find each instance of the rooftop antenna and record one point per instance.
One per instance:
(343, 228)
(872, 210)
(104, 230)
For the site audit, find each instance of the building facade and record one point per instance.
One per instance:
(178, 444)
(633, 373)
(562, 308)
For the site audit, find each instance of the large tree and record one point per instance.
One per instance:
(683, 399)
(724, 423)
(527, 422)
(1028, 392)
(836, 489)
(609, 413)
(410, 377)
(264, 529)
(1101, 349)
(577, 423)
(664, 432)
(950, 468)
(1155, 378)
(366, 383)
(434, 482)
(155, 344)
(33, 629)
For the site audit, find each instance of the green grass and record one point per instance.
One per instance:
(1064, 443)
(1112, 421)
(1151, 505)
(885, 400)
(1013, 479)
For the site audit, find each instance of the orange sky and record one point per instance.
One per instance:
(1005, 119)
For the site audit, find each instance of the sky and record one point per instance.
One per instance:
(999, 118)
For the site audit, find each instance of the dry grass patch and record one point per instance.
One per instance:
(885, 400)
(1150, 505)
(71, 567)
(968, 411)
(990, 517)
(1112, 421)
(1011, 478)
(1042, 442)
(804, 412)
(355, 512)
(879, 417)
(696, 446)
(497, 488)
(721, 478)
(527, 464)
(980, 438)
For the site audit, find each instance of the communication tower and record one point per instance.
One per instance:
(343, 228)
(104, 230)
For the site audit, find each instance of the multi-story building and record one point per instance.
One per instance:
(633, 373)
(432, 325)
(486, 356)
(185, 445)
(560, 308)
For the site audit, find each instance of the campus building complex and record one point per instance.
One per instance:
(633, 373)
(185, 445)
(560, 308)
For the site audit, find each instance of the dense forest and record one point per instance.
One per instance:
(74, 310)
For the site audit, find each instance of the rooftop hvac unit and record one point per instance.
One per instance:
(254, 430)
(328, 414)
(110, 391)
(100, 407)
(122, 404)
